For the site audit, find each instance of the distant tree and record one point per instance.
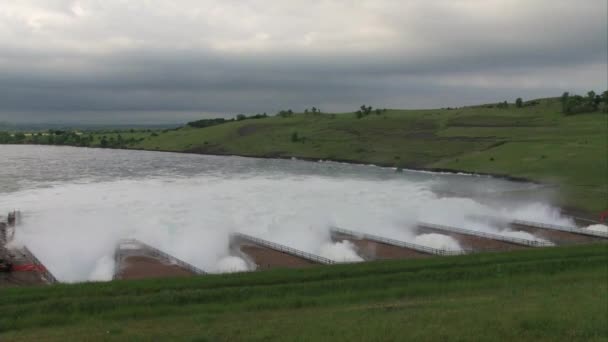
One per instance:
(5, 138)
(206, 122)
(597, 100)
(285, 113)
(365, 111)
(306, 111)
(241, 117)
(593, 99)
(604, 99)
(502, 105)
(564, 100)
(19, 137)
(103, 142)
(577, 104)
(519, 103)
(294, 137)
(314, 110)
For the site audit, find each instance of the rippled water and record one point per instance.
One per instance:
(77, 202)
(25, 167)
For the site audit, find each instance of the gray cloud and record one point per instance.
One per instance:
(168, 60)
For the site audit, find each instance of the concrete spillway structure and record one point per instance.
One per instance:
(137, 260)
(373, 247)
(26, 268)
(267, 255)
(479, 241)
(580, 221)
(561, 235)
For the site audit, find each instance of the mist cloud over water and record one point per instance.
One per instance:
(73, 225)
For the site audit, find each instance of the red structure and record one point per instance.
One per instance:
(29, 268)
(603, 215)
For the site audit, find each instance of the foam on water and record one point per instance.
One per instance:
(597, 228)
(231, 264)
(438, 241)
(342, 251)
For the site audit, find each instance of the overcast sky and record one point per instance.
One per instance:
(173, 60)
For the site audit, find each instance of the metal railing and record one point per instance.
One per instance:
(573, 230)
(403, 244)
(154, 252)
(3, 234)
(284, 249)
(518, 241)
(46, 274)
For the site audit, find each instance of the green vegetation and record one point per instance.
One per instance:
(218, 121)
(578, 104)
(529, 139)
(542, 294)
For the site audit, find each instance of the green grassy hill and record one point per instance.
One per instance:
(536, 142)
(545, 294)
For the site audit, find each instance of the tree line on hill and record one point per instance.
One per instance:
(218, 121)
(69, 138)
(51, 137)
(367, 110)
(519, 103)
(571, 105)
(576, 104)
(240, 117)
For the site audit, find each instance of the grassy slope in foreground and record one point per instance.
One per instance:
(536, 142)
(542, 294)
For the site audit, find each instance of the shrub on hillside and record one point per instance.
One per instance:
(207, 122)
(365, 111)
(577, 104)
(286, 113)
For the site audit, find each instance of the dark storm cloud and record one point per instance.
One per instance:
(220, 57)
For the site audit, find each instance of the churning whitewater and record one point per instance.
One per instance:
(77, 203)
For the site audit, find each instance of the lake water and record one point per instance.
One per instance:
(78, 202)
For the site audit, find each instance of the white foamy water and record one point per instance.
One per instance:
(438, 241)
(231, 264)
(342, 251)
(598, 228)
(77, 203)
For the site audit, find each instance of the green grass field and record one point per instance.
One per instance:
(547, 294)
(535, 142)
